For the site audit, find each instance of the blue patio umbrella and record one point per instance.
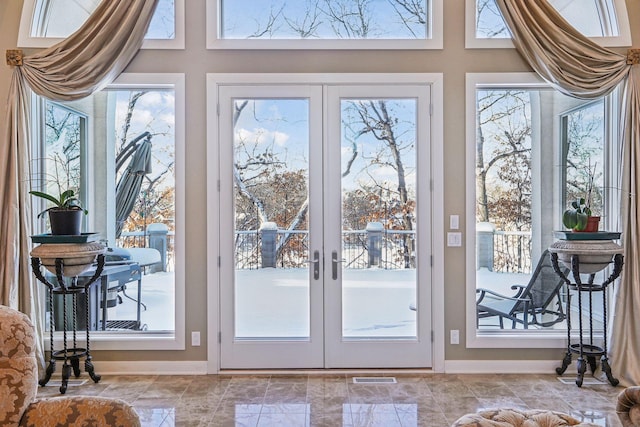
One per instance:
(130, 182)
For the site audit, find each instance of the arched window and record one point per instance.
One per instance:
(604, 21)
(45, 22)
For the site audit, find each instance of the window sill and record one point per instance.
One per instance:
(123, 341)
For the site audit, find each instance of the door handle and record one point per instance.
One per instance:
(316, 264)
(334, 265)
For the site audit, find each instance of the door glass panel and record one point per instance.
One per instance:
(379, 150)
(271, 181)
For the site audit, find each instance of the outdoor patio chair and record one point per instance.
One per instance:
(537, 303)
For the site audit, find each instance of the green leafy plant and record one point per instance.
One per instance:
(576, 217)
(67, 200)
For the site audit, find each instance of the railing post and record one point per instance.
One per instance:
(374, 242)
(157, 233)
(268, 241)
(484, 242)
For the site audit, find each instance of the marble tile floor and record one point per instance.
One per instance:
(432, 400)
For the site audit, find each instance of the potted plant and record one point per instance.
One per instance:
(65, 216)
(579, 218)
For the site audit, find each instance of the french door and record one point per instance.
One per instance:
(325, 214)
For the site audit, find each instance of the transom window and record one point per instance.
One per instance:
(605, 21)
(45, 22)
(324, 23)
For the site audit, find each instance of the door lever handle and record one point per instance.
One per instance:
(316, 264)
(334, 264)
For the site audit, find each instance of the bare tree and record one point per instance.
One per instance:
(270, 26)
(62, 141)
(500, 108)
(349, 18)
(411, 12)
(584, 176)
(307, 26)
(487, 12)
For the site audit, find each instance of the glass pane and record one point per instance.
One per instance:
(60, 18)
(593, 18)
(584, 148)
(64, 134)
(324, 19)
(503, 193)
(271, 181)
(144, 200)
(379, 217)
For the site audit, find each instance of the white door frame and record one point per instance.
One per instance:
(435, 80)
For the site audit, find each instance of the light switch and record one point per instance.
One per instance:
(454, 239)
(454, 222)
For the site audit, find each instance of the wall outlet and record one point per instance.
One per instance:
(195, 338)
(455, 336)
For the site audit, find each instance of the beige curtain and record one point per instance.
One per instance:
(85, 62)
(578, 67)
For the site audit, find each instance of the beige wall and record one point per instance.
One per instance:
(453, 61)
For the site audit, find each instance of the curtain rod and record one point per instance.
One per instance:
(14, 57)
(633, 56)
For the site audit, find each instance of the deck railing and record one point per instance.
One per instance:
(512, 252)
(388, 249)
(163, 242)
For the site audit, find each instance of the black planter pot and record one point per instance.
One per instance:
(67, 222)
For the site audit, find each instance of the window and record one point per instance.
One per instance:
(322, 24)
(583, 155)
(46, 22)
(534, 150)
(133, 128)
(604, 21)
(60, 157)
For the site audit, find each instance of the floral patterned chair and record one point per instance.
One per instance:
(628, 407)
(19, 385)
(518, 418)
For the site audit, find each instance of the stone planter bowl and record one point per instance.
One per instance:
(77, 257)
(594, 255)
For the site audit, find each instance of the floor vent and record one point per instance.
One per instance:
(586, 381)
(374, 380)
(70, 383)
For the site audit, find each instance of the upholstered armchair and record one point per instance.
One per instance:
(19, 385)
(628, 407)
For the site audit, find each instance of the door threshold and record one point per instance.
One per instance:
(319, 372)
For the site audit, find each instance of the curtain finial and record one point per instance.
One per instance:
(14, 57)
(633, 56)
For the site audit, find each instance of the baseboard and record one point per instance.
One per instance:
(501, 366)
(152, 367)
(197, 367)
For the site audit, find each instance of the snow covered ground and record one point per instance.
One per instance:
(274, 302)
